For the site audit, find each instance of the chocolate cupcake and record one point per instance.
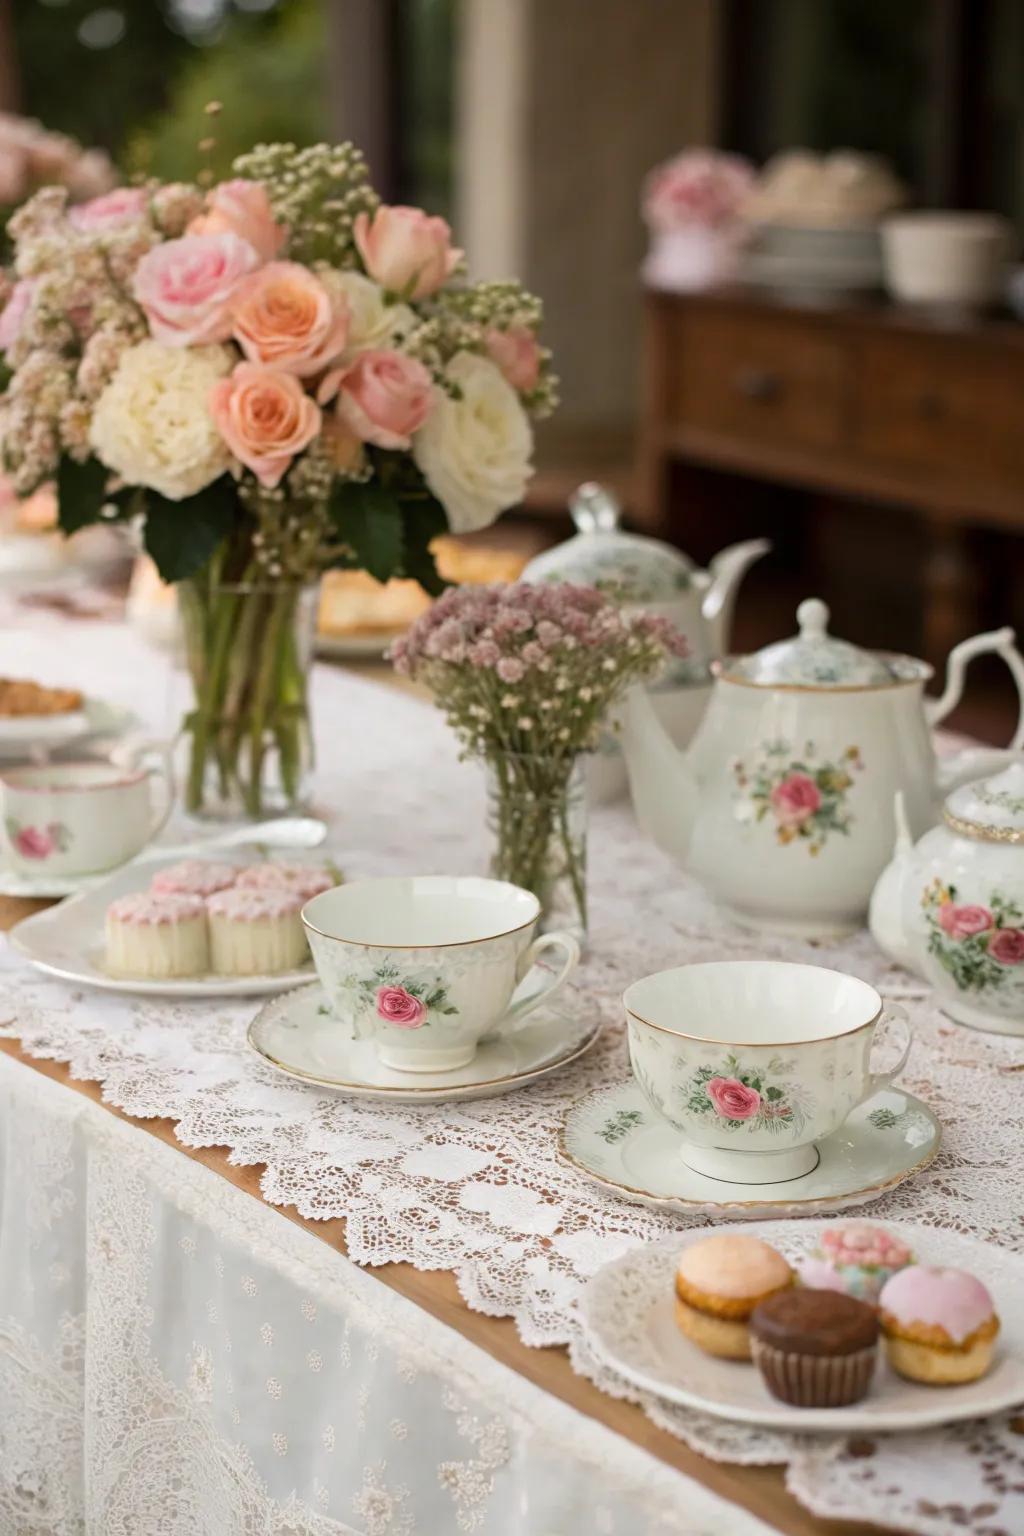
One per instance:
(815, 1349)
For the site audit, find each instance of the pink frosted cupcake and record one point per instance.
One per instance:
(256, 933)
(307, 880)
(157, 936)
(856, 1258)
(939, 1325)
(193, 877)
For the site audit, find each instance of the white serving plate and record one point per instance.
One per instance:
(27, 736)
(67, 941)
(627, 1313)
(298, 1035)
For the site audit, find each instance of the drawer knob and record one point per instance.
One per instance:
(758, 384)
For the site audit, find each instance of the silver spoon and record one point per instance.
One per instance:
(284, 832)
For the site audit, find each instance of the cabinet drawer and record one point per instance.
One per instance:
(759, 377)
(943, 406)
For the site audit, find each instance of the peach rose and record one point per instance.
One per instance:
(517, 354)
(186, 287)
(265, 417)
(284, 317)
(385, 397)
(405, 250)
(242, 208)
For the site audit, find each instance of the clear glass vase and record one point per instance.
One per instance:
(537, 818)
(250, 743)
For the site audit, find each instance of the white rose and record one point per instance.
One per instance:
(152, 424)
(474, 452)
(371, 322)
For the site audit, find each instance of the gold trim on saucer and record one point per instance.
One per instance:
(828, 1202)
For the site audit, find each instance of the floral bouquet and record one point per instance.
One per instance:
(692, 206)
(526, 676)
(32, 156)
(271, 377)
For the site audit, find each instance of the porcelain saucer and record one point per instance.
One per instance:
(298, 1034)
(43, 887)
(615, 1138)
(627, 1314)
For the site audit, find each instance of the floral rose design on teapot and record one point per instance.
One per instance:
(980, 946)
(802, 798)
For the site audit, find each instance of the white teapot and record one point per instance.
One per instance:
(640, 572)
(952, 908)
(783, 804)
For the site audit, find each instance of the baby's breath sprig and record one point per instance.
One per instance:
(317, 192)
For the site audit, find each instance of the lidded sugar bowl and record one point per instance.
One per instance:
(951, 908)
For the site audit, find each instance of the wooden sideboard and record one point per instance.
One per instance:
(869, 402)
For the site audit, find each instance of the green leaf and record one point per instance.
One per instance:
(181, 536)
(81, 493)
(424, 519)
(369, 520)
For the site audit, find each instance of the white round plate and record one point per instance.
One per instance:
(25, 736)
(627, 1313)
(298, 1035)
(370, 646)
(67, 941)
(615, 1138)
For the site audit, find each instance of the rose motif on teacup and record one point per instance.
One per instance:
(397, 1006)
(732, 1099)
(38, 842)
(978, 945)
(802, 798)
(742, 1096)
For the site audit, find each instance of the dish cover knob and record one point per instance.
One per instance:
(594, 509)
(812, 617)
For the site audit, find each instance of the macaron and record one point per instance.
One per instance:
(857, 1258)
(815, 1349)
(939, 1325)
(719, 1281)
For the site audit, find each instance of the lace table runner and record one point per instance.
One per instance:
(478, 1188)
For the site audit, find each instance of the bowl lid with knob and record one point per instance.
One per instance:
(815, 659)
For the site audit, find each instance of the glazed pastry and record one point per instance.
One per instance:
(815, 1349)
(193, 877)
(306, 880)
(19, 697)
(857, 1258)
(156, 936)
(256, 933)
(719, 1282)
(939, 1325)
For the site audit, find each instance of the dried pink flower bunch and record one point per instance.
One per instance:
(531, 669)
(705, 188)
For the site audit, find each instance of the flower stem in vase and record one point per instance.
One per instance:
(538, 822)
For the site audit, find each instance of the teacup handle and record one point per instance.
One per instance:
(897, 1014)
(134, 755)
(571, 950)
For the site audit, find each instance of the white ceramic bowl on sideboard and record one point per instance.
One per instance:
(959, 260)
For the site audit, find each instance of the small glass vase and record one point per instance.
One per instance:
(537, 818)
(249, 650)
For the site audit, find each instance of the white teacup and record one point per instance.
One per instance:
(754, 1061)
(82, 818)
(425, 965)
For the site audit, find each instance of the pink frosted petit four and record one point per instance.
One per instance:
(156, 937)
(856, 1258)
(939, 1325)
(307, 879)
(256, 932)
(193, 877)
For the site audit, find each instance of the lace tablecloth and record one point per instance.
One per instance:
(478, 1188)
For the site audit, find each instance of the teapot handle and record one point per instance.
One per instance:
(1002, 643)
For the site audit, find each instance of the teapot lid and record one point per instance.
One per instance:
(811, 659)
(631, 567)
(991, 809)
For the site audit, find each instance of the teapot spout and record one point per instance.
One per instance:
(885, 914)
(727, 571)
(660, 777)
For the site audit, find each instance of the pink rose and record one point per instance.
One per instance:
(14, 173)
(398, 1006)
(517, 353)
(113, 208)
(12, 318)
(265, 418)
(732, 1099)
(385, 397)
(186, 286)
(1007, 946)
(33, 843)
(283, 316)
(795, 799)
(242, 208)
(405, 250)
(962, 922)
